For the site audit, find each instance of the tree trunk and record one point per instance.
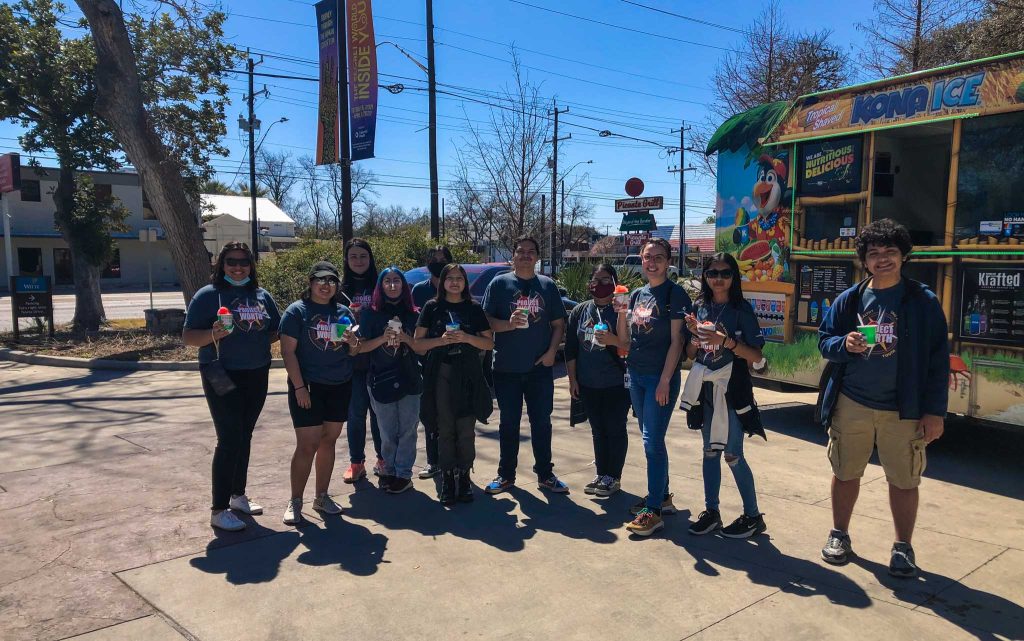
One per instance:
(89, 313)
(121, 105)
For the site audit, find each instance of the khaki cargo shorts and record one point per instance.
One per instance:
(857, 429)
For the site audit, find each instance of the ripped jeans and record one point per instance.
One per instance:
(734, 459)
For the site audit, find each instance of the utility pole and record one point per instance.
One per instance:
(554, 183)
(345, 224)
(681, 169)
(543, 214)
(561, 222)
(432, 120)
(443, 231)
(251, 65)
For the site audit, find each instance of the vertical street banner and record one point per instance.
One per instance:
(327, 117)
(362, 78)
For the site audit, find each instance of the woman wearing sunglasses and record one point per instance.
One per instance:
(317, 345)
(394, 380)
(596, 378)
(233, 321)
(719, 398)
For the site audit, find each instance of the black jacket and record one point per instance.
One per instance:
(470, 395)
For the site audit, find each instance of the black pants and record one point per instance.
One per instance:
(432, 445)
(456, 436)
(607, 409)
(234, 418)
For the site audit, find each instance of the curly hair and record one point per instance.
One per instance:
(883, 233)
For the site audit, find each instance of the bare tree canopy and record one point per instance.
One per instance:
(275, 173)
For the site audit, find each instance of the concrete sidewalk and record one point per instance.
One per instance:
(104, 490)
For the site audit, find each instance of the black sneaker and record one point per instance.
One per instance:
(902, 563)
(591, 488)
(429, 472)
(398, 485)
(745, 527)
(838, 548)
(384, 481)
(708, 521)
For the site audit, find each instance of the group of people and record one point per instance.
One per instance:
(364, 342)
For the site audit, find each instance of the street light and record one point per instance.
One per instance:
(267, 132)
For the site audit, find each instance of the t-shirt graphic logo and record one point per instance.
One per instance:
(319, 332)
(251, 315)
(885, 333)
(533, 304)
(586, 335)
(645, 312)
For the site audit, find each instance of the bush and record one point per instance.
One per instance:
(575, 278)
(286, 274)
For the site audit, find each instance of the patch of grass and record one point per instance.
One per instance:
(799, 356)
(1010, 375)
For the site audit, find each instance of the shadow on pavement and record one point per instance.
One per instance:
(968, 454)
(350, 546)
(92, 378)
(249, 560)
(561, 514)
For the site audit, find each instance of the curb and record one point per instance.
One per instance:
(29, 358)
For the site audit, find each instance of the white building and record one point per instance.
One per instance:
(227, 219)
(40, 250)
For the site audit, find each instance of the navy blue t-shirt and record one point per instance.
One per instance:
(736, 321)
(517, 350)
(256, 318)
(322, 358)
(373, 325)
(596, 366)
(651, 312)
(422, 292)
(360, 292)
(871, 378)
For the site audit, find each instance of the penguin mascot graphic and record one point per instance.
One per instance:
(771, 220)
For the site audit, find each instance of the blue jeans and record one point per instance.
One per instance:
(654, 420)
(398, 423)
(357, 409)
(537, 388)
(740, 469)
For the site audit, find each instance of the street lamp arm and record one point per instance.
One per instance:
(404, 53)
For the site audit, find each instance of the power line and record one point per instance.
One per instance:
(687, 18)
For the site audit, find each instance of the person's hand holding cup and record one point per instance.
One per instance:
(394, 332)
(520, 318)
(620, 303)
(856, 342)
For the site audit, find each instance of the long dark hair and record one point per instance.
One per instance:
(735, 288)
(380, 298)
(348, 275)
(441, 293)
(217, 278)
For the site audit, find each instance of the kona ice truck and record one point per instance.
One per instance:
(939, 151)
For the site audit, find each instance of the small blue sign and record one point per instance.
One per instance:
(30, 284)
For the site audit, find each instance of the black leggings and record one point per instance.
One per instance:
(456, 436)
(607, 410)
(234, 418)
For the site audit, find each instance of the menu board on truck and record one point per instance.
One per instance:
(818, 285)
(992, 304)
(770, 309)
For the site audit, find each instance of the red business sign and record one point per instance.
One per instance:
(639, 204)
(634, 187)
(10, 173)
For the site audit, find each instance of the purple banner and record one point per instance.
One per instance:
(327, 118)
(362, 78)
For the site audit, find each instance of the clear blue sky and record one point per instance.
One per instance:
(635, 84)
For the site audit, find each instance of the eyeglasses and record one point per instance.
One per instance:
(719, 273)
(237, 262)
(326, 280)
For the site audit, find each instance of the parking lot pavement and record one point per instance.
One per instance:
(117, 305)
(104, 486)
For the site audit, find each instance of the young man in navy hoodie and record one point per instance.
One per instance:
(890, 393)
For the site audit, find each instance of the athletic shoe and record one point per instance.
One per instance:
(552, 484)
(837, 549)
(397, 485)
(293, 513)
(354, 472)
(708, 521)
(607, 486)
(429, 472)
(325, 504)
(378, 467)
(225, 520)
(499, 485)
(384, 481)
(646, 523)
(240, 503)
(902, 563)
(745, 527)
(591, 488)
(667, 507)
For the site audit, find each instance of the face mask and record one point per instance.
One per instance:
(237, 283)
(435, 269)
(601, 290)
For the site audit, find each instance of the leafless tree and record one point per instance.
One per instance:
(314, 197)
(502, 165)
(362, 189)
(390, 220)
(277, 175)
(907, 35)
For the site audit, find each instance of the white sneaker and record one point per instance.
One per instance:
(225, 520)
(324, 503)
(240, 503)
(293, 513)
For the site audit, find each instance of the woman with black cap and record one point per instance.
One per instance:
(317, 344)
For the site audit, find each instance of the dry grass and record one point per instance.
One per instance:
(121, 340)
